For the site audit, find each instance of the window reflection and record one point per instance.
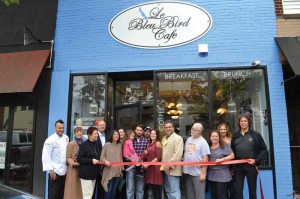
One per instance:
(182, 98)
(130, 92)
(21, 161)
(88, 100)
(239, 91)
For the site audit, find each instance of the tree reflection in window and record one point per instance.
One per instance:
(88, 92)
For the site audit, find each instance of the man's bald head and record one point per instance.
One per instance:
(197, 129)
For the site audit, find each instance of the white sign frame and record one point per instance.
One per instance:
(160, 24)
(2, 154)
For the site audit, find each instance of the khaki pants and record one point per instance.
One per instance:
(87, 187)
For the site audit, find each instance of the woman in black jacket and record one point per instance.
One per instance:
(247, 144)
(88, 158)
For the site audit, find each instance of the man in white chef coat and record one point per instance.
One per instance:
(54, 161)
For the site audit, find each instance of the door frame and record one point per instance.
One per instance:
(8, 155)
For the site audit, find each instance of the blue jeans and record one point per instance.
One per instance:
(172, 186)
(112, 186)
(134, 185)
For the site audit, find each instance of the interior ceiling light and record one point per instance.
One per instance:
(173, 107)
(221, 110)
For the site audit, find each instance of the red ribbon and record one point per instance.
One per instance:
(199, 163)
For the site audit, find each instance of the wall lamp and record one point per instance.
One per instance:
(29, 38)
(256, 63)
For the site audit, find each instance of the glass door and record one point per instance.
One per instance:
(21, 161)
(133, 102)
(127, 116)
(16, 146)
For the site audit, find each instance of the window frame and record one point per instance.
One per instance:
(210, 94)
(290, 7)
(70, 97)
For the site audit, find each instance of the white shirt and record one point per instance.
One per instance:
(54, 154)
(102, 138)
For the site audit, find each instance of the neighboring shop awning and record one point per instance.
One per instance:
(290, 47)
(20, 71)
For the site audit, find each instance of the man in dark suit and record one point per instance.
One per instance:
(103, 136)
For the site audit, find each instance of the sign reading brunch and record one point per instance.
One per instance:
(160, 24)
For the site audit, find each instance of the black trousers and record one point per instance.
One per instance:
(156, 191)
(242, 171)
(219, 190)
(231, 189)
(56, 187)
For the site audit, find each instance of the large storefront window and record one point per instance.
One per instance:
(88, 100)
(182, 98)
(240, 91)
(210, 97)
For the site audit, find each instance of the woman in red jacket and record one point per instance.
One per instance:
(154, 177)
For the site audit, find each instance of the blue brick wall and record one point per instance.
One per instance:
(242, 31)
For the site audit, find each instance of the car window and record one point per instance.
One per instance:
(23, 137)
(3, 136)
(29, 136)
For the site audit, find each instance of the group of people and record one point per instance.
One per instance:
(83, 168)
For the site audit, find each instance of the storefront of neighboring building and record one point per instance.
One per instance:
(146, 62)
(287, 37)
(26, 32)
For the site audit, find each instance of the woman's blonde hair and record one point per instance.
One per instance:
(228, 134)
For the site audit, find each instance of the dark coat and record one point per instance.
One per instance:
(87, 152)
(260, 149)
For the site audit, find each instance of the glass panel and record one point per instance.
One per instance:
(295, 155)
(148, 116)
(293, 110)
(127, 118)
(183, 98)
(21, 150)
(130, 92)
(88, 101)
(239, 91)
(4, 112)
(110, 102)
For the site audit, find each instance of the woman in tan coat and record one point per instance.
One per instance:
(111, 152)
(72, 184)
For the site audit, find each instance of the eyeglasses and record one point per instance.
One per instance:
(194, 130)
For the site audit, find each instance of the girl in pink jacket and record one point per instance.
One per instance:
(128, 150)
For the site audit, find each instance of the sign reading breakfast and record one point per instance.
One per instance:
(160, 24)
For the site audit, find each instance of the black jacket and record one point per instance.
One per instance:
(87, 152)
(260, 149)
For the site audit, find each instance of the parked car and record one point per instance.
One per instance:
(10, 193)
(21, 149)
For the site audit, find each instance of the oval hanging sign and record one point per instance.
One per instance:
(160, 24)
